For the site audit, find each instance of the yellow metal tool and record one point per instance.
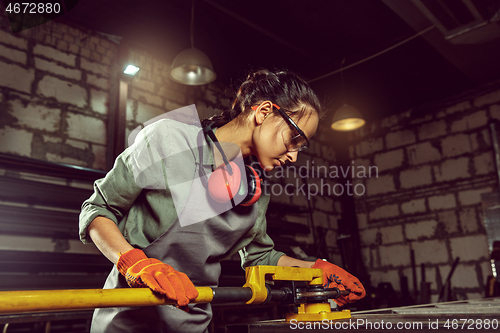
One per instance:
(254, 291)
(256, 277)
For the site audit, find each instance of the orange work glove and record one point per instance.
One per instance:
(141, 271)
(334, 276)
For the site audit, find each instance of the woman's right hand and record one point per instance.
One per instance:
(141, 271)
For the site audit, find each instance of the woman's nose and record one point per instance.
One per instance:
(292, 156)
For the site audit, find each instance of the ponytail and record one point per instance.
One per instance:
(283, 88)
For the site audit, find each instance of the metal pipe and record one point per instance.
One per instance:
(79, 299)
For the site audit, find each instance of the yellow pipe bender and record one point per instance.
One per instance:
(312, 299)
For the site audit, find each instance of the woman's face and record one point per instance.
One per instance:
(269, 138)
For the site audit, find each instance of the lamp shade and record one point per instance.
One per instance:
(347, 118)
(192, 67)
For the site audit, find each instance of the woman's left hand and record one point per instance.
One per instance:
(334, 276)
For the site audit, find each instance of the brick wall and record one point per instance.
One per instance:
(55, 91)
(56, 86)
(434, 162)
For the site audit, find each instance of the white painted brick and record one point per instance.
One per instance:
(468, 220)
(452, 169)
(400, 138)
(307, 239)
(13, 54)
(144, 85)
(15, 141)
(98, 82)
(147, 112)
(432, 130)
(486, 269)
(416, 177)
(146, 97)
(425, 119)
(331, 238)
(36, 116)
(430, 251)
(328, 152)
(462, 106)
(392, 234)
(389, 160)
(320, 219)
(490, 98)
(413, 206)
(394, 255)
(130, 110)
(65, 160)
(391, 276)
(99, 101)
(477, 119)
(422, 153)
(94, 67)
(472, 197)
(484, 164)
(465, 276)
(455, 145)
(370, 146)
(367, 260)
(421, 229)
(172, 95)
(54, 68)
(10, 39)
(449, 219)
(495, 111)
(333, 221)
(442, 202)
(352, 151)
(389, 121)
(169, 106)
(77, 144)
(382, 184)
(368, 236)
(86, 128)
(51, 53)
(16, 77)
(323, 203)
(385, 211)
(338, 207)
(362, 220)
(479, 141)
(62, 91)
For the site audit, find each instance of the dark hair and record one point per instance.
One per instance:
(283, 88)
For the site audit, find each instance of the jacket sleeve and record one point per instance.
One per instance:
(261, 250)
(138, 167)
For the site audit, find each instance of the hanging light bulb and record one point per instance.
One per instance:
(347, 118)
(192, 67)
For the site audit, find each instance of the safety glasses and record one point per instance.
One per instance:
(294, 138)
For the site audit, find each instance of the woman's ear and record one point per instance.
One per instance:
(263, 111)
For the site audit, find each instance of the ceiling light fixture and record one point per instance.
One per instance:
(347, 118)
(131, 70)
(192, 67)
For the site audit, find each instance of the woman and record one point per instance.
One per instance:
(134, 216)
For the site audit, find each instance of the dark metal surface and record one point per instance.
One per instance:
(475, 315)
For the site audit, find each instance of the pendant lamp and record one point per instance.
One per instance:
(192, 67)
(347, 118)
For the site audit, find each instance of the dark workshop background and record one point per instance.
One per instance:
(427, 147)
